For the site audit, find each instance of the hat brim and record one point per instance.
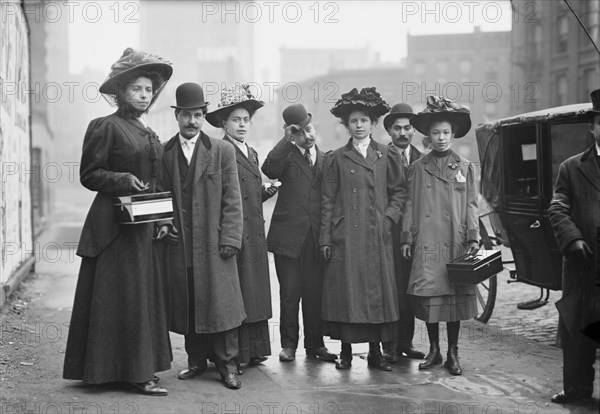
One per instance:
(214, 117)
(191, 107)
(304, 123)
(391, 117)
(109, 86)
(423, 121)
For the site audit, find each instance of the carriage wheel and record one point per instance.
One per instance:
(486, 297)
(486, 290)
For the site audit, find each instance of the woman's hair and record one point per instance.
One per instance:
(125, 107)
(453, 126)
(358, 108)
(224, 115)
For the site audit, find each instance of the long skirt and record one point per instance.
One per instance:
(360, 332)
(254, 340)
(447, 308)
(118, 329)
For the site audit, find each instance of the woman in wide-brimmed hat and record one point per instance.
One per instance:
(234, 116)
(362, 198)
(118, 330)
(439, 224)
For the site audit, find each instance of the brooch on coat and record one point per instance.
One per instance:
(453, 166)
(379, 154)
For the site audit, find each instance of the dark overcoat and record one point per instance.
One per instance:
(358, 193)
(253, 261)
(575, 214)
(440, 216)
(216, 220)
(298, 207)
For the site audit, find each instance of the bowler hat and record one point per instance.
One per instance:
(401, 110)
(233, 97)
(132, 61)
(296, 115)
(189, 96)
(595, 101)
(441, 109)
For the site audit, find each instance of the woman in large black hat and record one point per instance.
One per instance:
(118, 330)
(362, 198)
(234, 116)
(441, 223)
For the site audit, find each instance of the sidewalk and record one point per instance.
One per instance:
(503, 371)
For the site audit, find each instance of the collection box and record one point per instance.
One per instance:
(474, 269)
(143, 208)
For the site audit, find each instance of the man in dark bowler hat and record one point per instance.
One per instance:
(205, 296)
(297, 163)
(397, 124)
(575, 218)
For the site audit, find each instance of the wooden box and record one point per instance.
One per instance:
(471, 270)
(143, 208)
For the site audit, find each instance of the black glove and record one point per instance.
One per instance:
(325, 253)
(227, 251)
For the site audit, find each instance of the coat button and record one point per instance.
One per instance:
(260, 216)
(245, 197)
(352, 171)
(244, 178)
(354, 207)
(245, 217)
(354, 190)
(427, 215)
(426, 246)
(247, 236)
(355, 226)
(261, 235)
(371, 206)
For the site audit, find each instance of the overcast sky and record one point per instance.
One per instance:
(99, 31)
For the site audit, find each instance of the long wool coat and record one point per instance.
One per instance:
(440, 217)
(575, 214)
(357, 195)
(216, 221)
(118, 329)
(253, 261)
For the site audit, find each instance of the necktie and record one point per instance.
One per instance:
(308, 158)
(404, 159)
(188, 150)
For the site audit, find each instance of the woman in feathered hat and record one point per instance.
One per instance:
(234, 115)
(118, 330)
(441, 223)
(362, 198)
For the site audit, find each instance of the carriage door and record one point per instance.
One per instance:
(525, 208)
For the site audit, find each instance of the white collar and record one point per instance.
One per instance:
(191, 140)
(312, 151)
(597, 149)
(362, 142)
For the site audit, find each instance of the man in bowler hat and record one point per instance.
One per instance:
(575, 219)
(293, 236)
(205, 296)
(397, 124)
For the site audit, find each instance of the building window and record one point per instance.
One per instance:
(465, 66)
(561, 90)
(419, 68)
(537, 41)
(442, 68)
(592, 21)
(562, 35)
(589, 83)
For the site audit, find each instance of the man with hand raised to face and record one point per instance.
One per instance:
(206, 299)
(294, 233)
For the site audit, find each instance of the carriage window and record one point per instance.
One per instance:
(520, 158)
(568, 140)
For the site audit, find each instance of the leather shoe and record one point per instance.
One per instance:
(452, 364)
(287, 355)
(391, 356)
(433, 358)
(149, 388)
(231, 380)
(343, 363)
(322, 353)
(378, 361)
(257, 360)
(565, 398)
(192, 371)
(413, 353)
(239, 370)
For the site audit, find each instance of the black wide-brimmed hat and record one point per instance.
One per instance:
(131, 62)
(296, 114)
(595, 95)
(441, 109)
(233, 97)
(401, 110)
(368, 100)
(189, 96)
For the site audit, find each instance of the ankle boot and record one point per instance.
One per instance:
(433, 358)
(375, 358)
(452, 363)
(345, 361)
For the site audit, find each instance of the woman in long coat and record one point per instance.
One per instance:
(362, 197)
(118, 330)
(440, 221)
(234, 115)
